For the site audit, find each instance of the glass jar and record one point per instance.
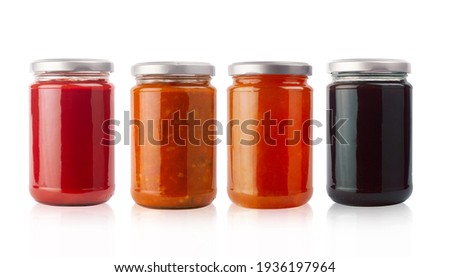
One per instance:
(173, 147)
(270, 106)
(70, 162)
(369, 132)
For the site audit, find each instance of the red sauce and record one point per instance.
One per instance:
(268, 174)
(69, 165)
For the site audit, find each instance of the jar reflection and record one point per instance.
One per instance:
(267, 233)
(72, 231)
(375, 231)
(173, 233)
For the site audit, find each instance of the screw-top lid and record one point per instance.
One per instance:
(71, 65)
(172, 68)
(276, 68)
(369, 66)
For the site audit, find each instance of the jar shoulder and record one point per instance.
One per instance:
(358, 84)
(162, 88)
(63, 85)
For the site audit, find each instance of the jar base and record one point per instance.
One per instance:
(269, 202)
(55, 197)
(156, 201)
(352, 198)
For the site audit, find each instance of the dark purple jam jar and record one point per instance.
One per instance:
(369, 132)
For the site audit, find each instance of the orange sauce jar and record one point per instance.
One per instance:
(270, 156)
(173, 151)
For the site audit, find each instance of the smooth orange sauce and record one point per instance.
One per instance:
(172, 175)
(263, 175)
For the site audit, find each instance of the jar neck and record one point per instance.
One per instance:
(270, 78)
(203, 80)
(355, 77)
(72, 76)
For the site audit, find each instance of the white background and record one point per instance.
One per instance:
(404, 239)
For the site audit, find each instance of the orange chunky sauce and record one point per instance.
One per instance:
(173, 165)
(276, 170)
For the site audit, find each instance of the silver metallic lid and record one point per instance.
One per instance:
(172, 68)
(276, 68)
(71, 65)
(369, 66)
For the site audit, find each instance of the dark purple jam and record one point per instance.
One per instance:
(374, 167)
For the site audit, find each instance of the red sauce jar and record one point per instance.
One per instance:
(72, 161)
(270, 164)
